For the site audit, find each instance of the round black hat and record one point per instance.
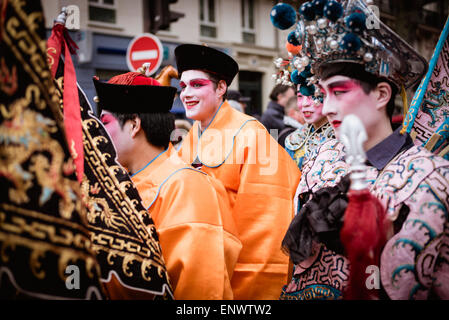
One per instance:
(127, 99)
(200, 57)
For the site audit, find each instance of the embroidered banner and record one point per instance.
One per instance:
(123, 234)
(428, 114)
(45, 249)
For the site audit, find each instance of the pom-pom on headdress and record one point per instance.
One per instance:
(283, 16)
(331, 31)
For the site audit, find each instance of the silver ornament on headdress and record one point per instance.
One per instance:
(353, 136)
(381, 51)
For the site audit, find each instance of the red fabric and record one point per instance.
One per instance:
(61, 43)
(142, 80)
(363, 235)
(133, 78)
(59, 34)
(397, 119)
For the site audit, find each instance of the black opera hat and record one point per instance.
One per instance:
(128, 99)
(200, 57)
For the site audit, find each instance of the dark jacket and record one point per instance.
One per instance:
(273, 117)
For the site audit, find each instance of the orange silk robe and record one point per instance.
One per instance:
(261, 179)
(194, 222)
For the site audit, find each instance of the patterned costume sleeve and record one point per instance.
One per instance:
(414, 263)
(324, 167)
(309, 162)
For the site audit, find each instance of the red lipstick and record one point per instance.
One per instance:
(336, 123)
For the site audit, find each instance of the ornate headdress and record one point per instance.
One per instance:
(331, 31)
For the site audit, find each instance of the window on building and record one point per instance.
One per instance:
(104, 11)
(248, 29)
(208, 22)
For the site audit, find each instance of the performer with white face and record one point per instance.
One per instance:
(344, 95)
(311, 111)
(315, 132)
(258, 174)
(190, 210)
(409, 182)
(201, 95)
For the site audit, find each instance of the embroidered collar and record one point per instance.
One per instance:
(382, 153)
(307, 135)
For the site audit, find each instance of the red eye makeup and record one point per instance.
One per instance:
(195, 83)
(346, 85)
(107, 118)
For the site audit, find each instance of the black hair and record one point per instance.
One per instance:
(215, 78)
(367, 80)
(157, 126)
(278, 89)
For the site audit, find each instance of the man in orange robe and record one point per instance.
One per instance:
(258, 174)
(190, 210)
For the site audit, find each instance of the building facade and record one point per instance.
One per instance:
(241, 28)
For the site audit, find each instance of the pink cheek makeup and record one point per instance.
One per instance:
(199, 85)
(308, 109)
(110, 123)
(346, 94)
(107, 119)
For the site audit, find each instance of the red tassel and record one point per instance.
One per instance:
(61, 43)
(363, 235)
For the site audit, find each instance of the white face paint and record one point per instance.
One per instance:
(199, 95)
(342, 96)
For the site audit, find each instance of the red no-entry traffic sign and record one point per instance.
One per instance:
(145, 48)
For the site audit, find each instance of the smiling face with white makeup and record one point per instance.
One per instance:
(312, 113)
(200, 95)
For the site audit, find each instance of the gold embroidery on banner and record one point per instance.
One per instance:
(99, 208)
(110, 183)
(44, 232)
(141, 248)
(43, 217)
(33, 160)
(125, 239)
(39, 248)
(28, 132)
(50, 59)
(73, 149)
(31, 21)
(42, 237)
(43, 79)
(115, 245)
